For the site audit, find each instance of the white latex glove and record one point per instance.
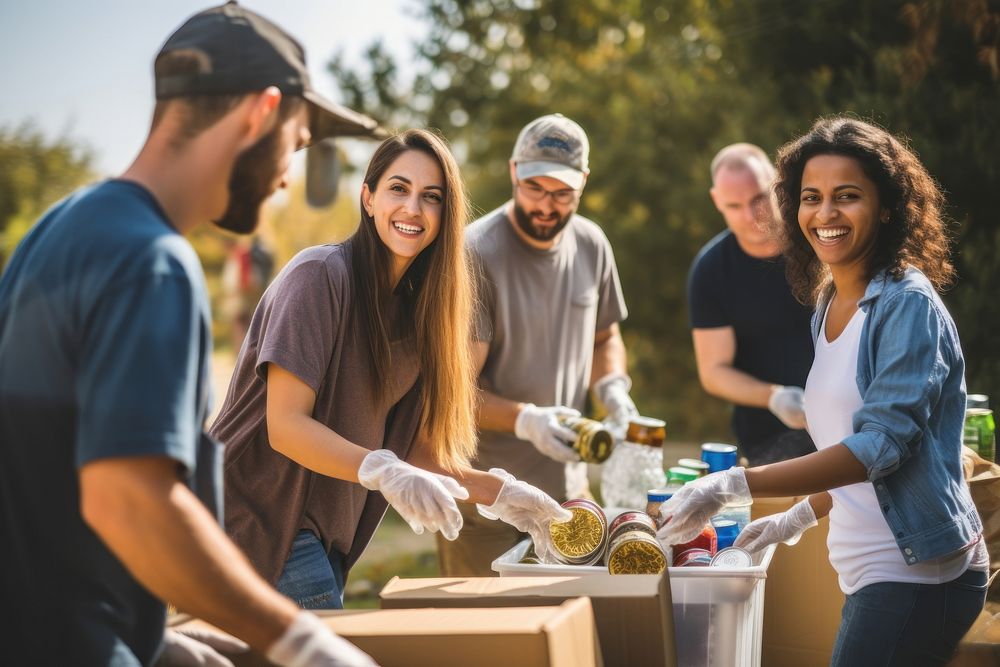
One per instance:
(426, 500)
(309, 643)
(694, 505)
(612, 391)
(198, 648)
(541, 427)
(784, 527)
(786, 403)
(528, 509)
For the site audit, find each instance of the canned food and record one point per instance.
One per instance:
(635, 552)
(718, 456)
(698, 466)
(707, 540)
(732, 557)
(726, 531)
(593, 442)
(693, 558)
(655, 498)
(646, 431)
(631, 520)
(581, 540)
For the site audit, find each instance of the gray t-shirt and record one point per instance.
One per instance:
(539, 311)
(305, 324)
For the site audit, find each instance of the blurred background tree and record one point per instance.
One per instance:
(660, 87)
(35, 172)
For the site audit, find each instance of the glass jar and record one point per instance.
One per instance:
(635, 466)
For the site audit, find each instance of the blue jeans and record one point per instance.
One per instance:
(311, 577)
(907, 624)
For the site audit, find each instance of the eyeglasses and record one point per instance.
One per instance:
(535, 192)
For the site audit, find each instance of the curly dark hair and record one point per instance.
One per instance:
(916, 232)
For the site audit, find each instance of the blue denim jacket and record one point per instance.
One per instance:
(908, 432)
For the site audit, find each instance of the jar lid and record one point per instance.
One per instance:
(680, 474)
(658, 495)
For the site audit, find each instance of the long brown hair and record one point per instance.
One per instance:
(916, 230)
(438, 286)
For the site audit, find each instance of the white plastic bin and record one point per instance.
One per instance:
(718, 613)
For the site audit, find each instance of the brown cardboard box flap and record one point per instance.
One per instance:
(633, 613)
(554, 636)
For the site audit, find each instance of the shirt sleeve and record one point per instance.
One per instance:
(705, 309)
(140, 362)
(912, 352)
(301, 319)
(611, 300)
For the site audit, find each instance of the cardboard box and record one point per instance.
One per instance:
(633, 614)
(718, 613)
(803, 601)
(553, 636)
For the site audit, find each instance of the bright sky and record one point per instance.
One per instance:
(84, 67)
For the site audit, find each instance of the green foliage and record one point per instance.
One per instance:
(661, 88)
(34, 173)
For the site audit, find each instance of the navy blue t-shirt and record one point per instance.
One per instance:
(105, 349)
(729, 288)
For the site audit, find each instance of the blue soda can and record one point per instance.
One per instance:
(718, 456)
(726, 532)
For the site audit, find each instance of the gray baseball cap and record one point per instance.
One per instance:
(552, 146)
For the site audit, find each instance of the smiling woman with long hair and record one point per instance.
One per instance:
(356, 376)
(864, 239)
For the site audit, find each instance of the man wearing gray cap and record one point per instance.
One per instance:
(547, 330)
(110, 491)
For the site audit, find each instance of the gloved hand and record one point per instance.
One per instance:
(786, 403)
(424, 499)
(784, 527)
(528, 509)
(688, 510)
(309, 643)
(612, 391)
(198, 648)
(541, 427)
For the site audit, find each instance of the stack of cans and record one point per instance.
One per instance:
(633, 547)
(582, 539)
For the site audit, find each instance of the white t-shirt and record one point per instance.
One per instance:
(862, 548)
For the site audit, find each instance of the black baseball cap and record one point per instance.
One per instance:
(240, 51)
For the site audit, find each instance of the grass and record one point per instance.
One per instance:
(394, 551)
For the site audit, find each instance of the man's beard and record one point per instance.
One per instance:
(251, 183)
(539, 233)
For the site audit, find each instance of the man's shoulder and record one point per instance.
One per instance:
(488, 227)
(588, 232)
(716, 248)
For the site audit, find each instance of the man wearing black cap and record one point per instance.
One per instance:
(110, 493)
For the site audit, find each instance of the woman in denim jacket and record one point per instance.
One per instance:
(864, 238)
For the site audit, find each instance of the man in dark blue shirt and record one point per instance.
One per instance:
(751, 338)
(109, 490)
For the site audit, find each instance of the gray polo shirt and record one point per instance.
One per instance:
(539, 311)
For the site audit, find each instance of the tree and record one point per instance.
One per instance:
(660, 89)
(34, 173)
